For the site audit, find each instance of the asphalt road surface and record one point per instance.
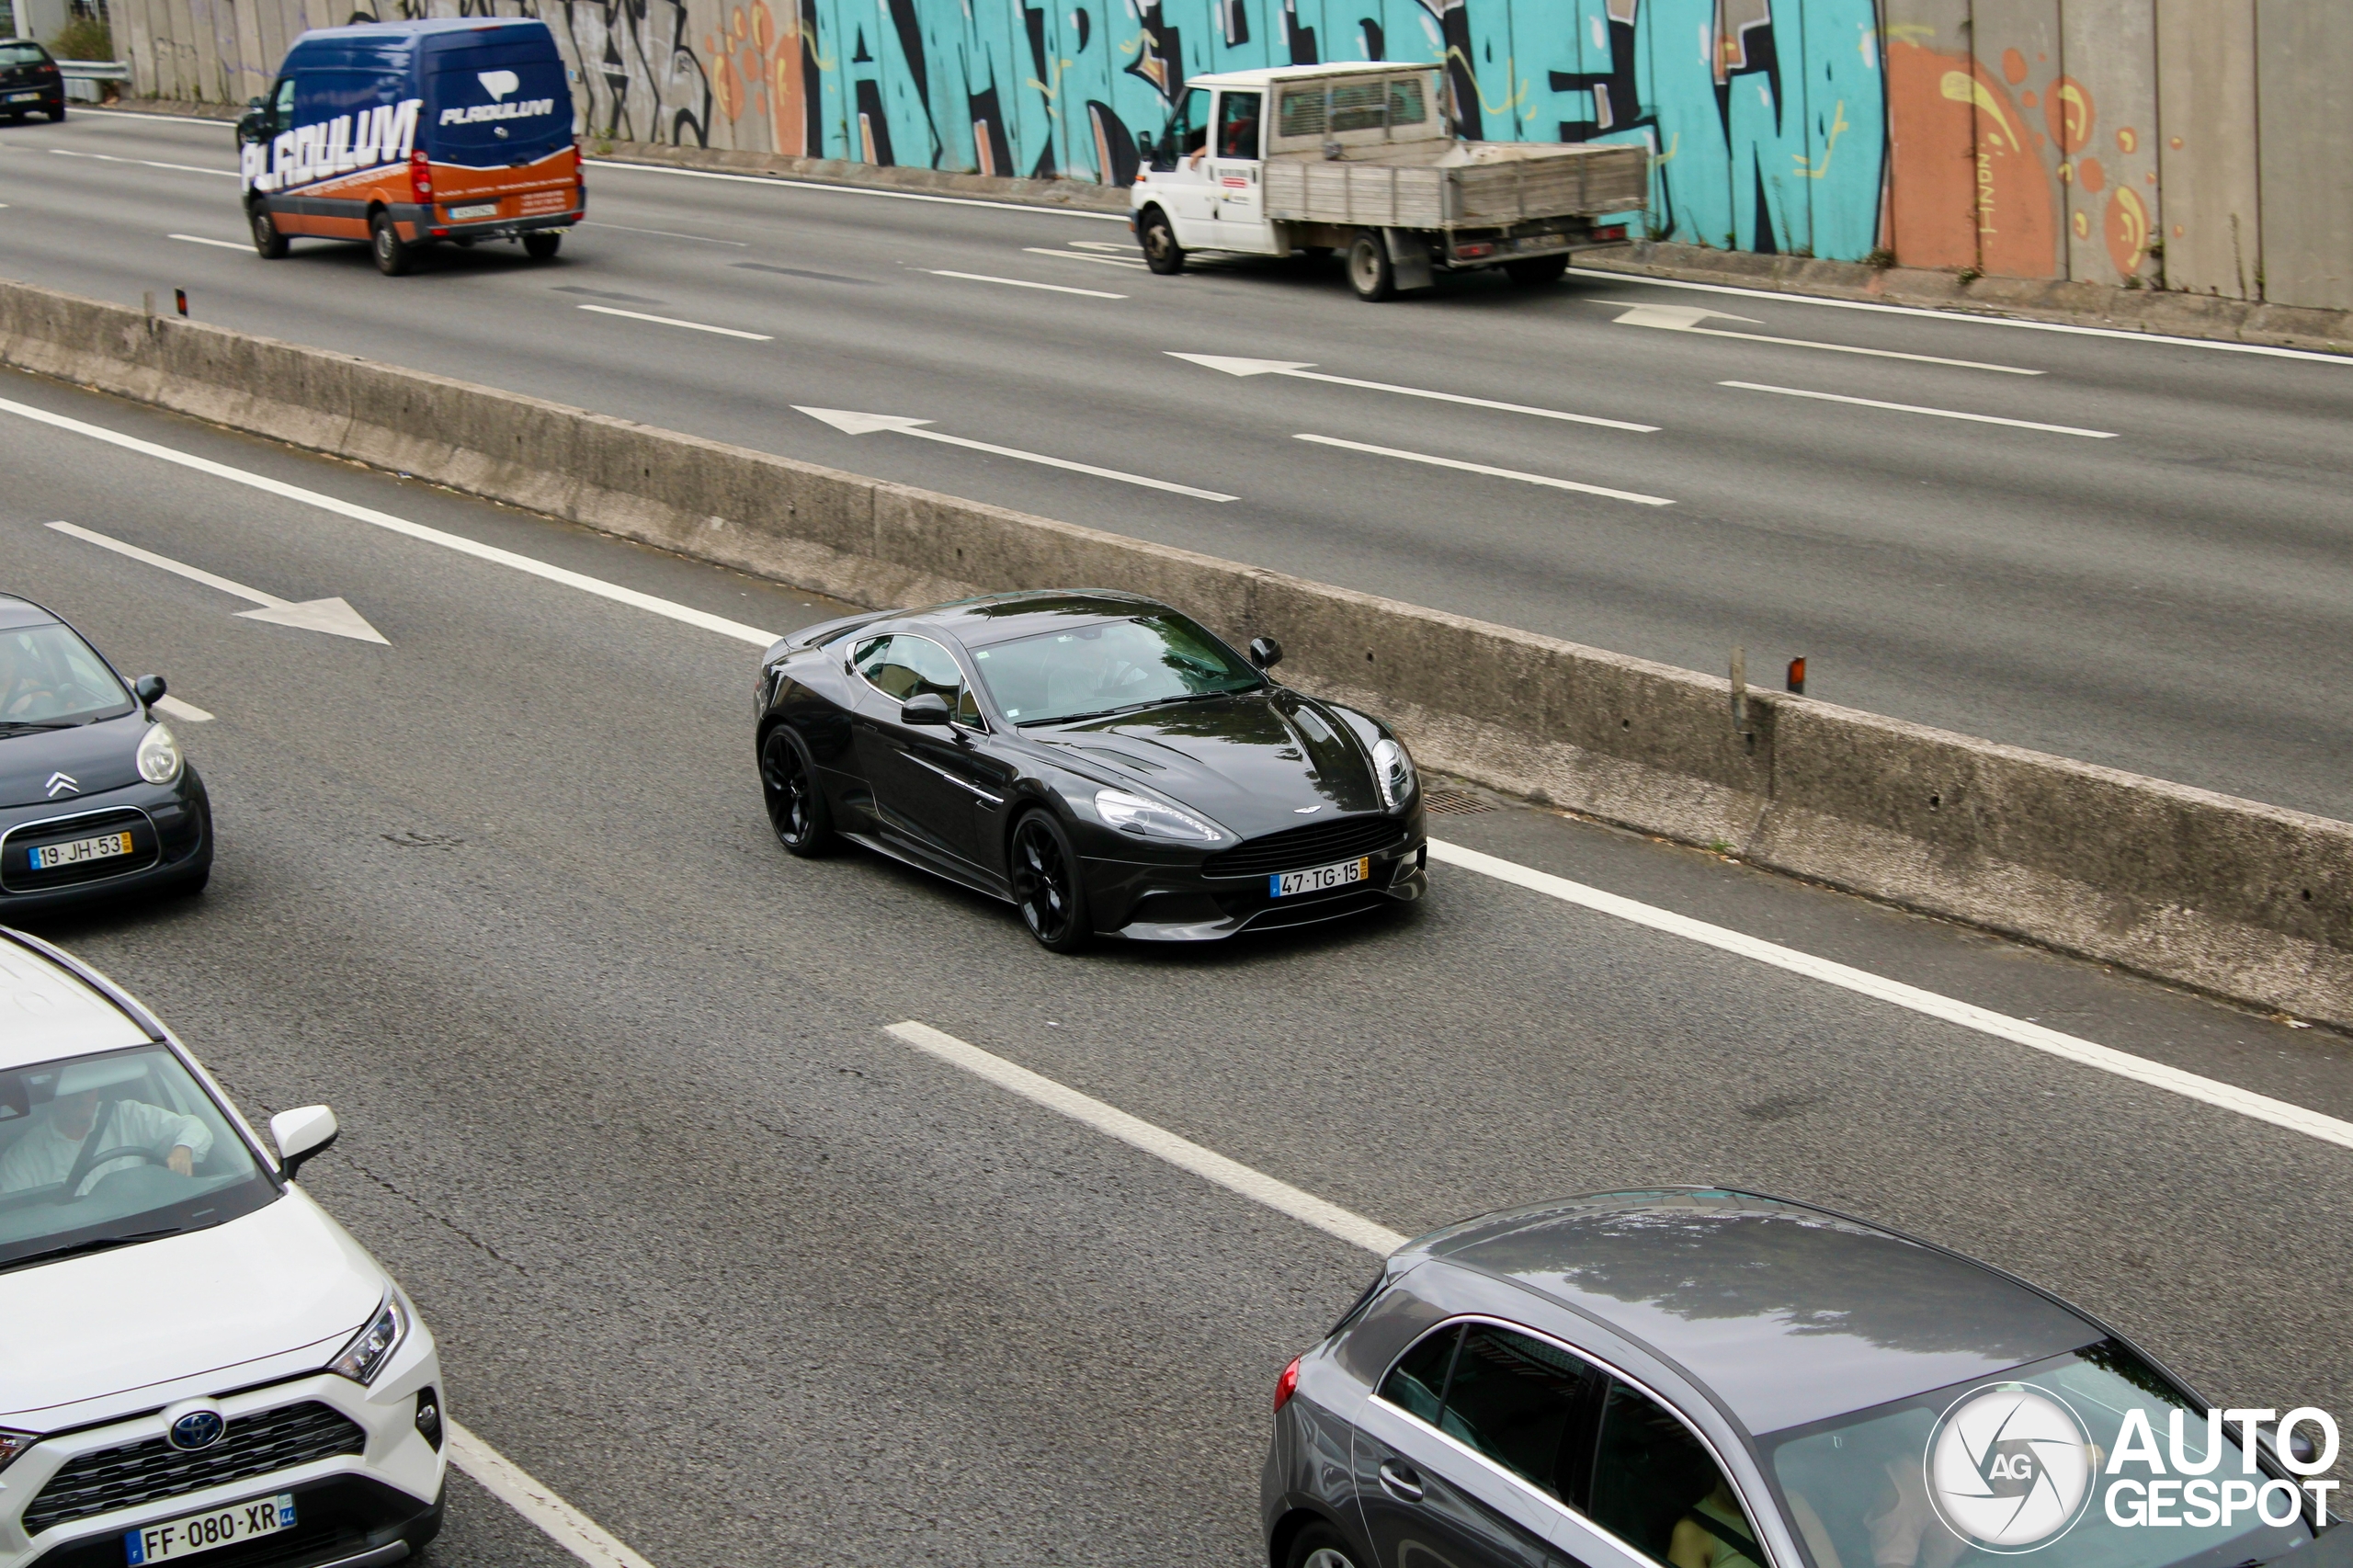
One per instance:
(2150, 571)
(747, 1279)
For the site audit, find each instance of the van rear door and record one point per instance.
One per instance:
(497, 105)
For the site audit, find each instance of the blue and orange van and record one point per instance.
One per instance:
(406, 133)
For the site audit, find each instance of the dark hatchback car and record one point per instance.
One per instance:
(1685, 1378)
(1100, 760)
(30, 80)
(95, 800)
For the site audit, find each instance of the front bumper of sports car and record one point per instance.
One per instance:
(1205, 899)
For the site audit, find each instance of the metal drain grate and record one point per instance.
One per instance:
(1453, 803)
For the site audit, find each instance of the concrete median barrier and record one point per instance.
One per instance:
(2247, 901)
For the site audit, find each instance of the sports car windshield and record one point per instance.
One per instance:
(1109, 666)
(98, 1151)
(48, 678)
(2013, 1471)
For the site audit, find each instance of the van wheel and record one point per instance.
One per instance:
(269, 244)
(393, 257)
(1536, 270)
(1161, 251)
(542, 245)
(1369, 270)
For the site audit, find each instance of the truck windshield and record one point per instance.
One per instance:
(1187, 130)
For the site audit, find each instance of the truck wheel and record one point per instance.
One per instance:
(392, 256)
(1368, 269)
(267, 242)
(1537, 269)
(542, 245)
(1161, 251)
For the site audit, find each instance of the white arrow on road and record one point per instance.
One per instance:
(333, 617)
(1303, 371)
(1687, 318)
(853, 424)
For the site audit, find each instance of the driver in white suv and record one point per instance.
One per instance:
(52, 1147)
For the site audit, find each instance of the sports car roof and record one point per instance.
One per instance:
(999, 618)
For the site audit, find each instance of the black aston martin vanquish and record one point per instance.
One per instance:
(1100, 760)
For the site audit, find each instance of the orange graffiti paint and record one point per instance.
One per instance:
(2014, 66)
(2128, 229)
(1931, 190)
(2128, 139)
(2090, 176)
(2068, 113)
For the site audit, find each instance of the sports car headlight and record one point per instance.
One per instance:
(159, 755)
(373, 1345)
(1150, 818)
(1393, 771)
(15, 1443)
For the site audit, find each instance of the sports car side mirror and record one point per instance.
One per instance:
(1265, 652)
(929, 708)
(148, 689)
(302, 1133)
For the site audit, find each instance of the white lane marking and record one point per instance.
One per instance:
(1302, 370)
(563, 1524)
(665, 233)
(1683, 318)
(385, 520)
(1023, 283)
(147, 163)
(1916, 408)
(1966, 316)
(851, 422)
(1182, 1153)
(334, 617)
(133, 114)
(1495, 472)
(856, 190)
(1097, 260)
(1105, 244)
(673, 321)
(200, 240)
(2019, 1031)
(186, 712)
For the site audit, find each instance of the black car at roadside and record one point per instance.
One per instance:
(30, 80)
(96, 798)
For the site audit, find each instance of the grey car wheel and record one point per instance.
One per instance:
(1320, 1546)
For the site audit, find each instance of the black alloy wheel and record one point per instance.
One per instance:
(796, 806)
(1536, 270)
(1320, 1546)
(1161, 251)
(57, 115)
(542, 245)
(1046, 884)
(392, 255)
(1369, 272)
(269, 244)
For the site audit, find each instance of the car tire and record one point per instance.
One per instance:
(269, 244)
(1047, 885)
(1369, 272)
(542, 245)
(57, 115)
(1320, 1546)
(1536, 270)
(804, 823)
(1161, 251)
(393, 254)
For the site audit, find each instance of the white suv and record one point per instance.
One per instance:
(195, 1360)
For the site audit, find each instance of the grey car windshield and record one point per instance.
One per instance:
(1109, 666)
(98, 1151)
(49, 677)
(1867, 1490)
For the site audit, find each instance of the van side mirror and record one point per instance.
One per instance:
(929, 708)
(302, 1133)
(148, 689)
(1265, 652)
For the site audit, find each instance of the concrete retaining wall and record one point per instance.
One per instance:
(2230, 896)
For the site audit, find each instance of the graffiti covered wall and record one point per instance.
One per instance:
(2103, 141)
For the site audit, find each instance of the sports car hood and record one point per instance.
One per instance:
(99, 756)
(280, 1278)
(1258, 763)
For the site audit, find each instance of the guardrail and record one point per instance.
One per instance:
(86, 81)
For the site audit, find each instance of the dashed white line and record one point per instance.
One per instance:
(186, 712)
(146, 163)
(1023, 283)
(1916, 408)
(200, 240)
(563, 1523)
(1543, 478)
(1097, 260)
(858, 191)
(674, 321)
(665, 233)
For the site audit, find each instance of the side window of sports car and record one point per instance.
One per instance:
(968, 711)
(903, 666)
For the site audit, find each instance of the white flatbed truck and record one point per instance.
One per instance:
(1364, 159)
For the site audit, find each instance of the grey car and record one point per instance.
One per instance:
(1688, 1378)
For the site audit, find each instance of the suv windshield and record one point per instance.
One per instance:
(1858, 1486)
(48, 676)
(97, 1150)
(1109, 666)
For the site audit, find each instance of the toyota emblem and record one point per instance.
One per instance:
(197, 1430)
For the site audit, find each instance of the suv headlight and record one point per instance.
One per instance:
(159, 755)
(1393, 771)
(373, 1345)
(15, 1443)
(1150, 818)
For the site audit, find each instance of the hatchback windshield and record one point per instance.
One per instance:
(48, 676)
(1858, 1486)
(1109, 666)
(22, 54)
(97, 1150)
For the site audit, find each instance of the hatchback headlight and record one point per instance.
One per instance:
(1393, 771)
(373, 1345)
(1150, 818)
(159, 755)
(15, 1443)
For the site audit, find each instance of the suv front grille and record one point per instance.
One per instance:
(1303, 848)
(143, 1471)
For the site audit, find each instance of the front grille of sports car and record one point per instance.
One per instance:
(143, 1471)
(1300, 848)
